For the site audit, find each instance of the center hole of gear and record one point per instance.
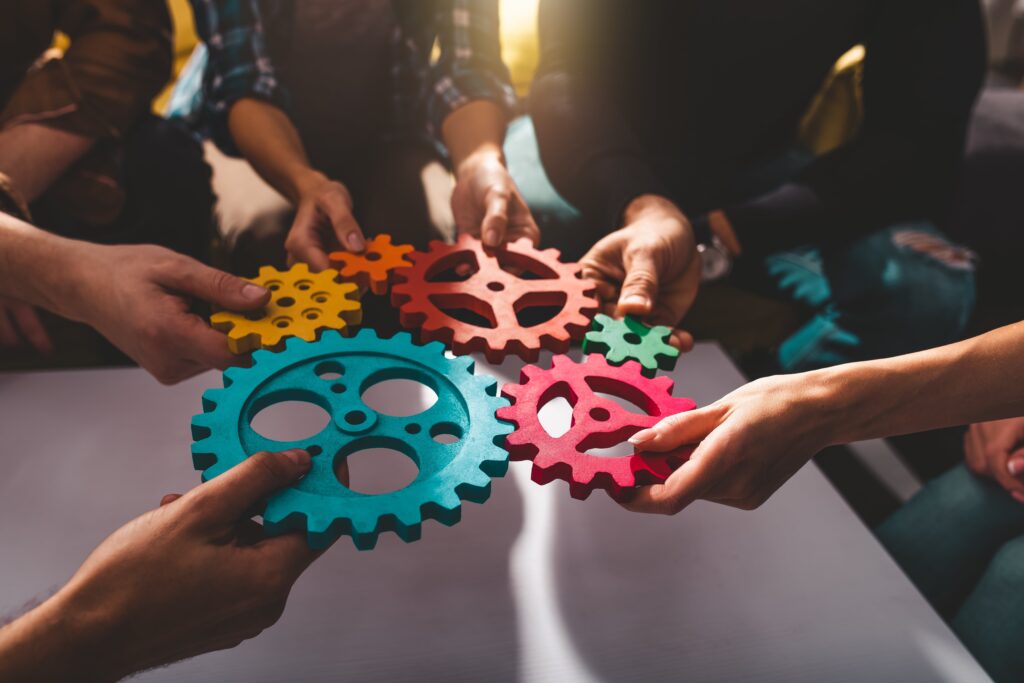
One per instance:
(632, 338)
(290, 421)
(372, 256)
(355, 417)
(376, 471)
(495, 286)
(399, 397)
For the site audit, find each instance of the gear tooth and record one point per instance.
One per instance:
(331, 337)
(261, 356)
(432, 347)
(266, 272)
(293, 343)
(232, 375)
(212, 397)
(664, 383)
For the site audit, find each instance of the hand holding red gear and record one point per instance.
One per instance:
(374, 268)
(495, 293)
(597, 422)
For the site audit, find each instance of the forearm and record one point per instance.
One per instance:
(23, 248)
(474, 130)
(268, 139)
(54, 643)
(34, 156)
(972, 381)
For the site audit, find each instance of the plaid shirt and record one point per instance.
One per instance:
(237, 62)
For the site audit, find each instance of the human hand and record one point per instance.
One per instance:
(20, 324)
(750, 443)
(323, 223)
(650, 267)
(487, 204)
(996, 450)
(192, 576)
(138, 298)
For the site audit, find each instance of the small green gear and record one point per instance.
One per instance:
(629, 339)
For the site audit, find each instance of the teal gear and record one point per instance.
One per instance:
(318, 503)
(629, 339)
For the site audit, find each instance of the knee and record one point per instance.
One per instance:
(912, 284)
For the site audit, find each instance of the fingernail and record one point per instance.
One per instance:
(634, 299)
(642, 437)
(253, 292)
(1017, 496)
(299, 457)
(491, 237)
(1015, 466)
(355, 241)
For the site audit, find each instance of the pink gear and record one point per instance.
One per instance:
(597, 422)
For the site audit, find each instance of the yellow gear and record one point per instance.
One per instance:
(301, 304)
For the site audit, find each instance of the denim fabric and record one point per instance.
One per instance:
(871, 298)
(961, 541)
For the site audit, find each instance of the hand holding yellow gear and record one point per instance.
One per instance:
(301, 304)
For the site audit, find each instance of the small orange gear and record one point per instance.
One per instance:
(374, 268)
(301, 305)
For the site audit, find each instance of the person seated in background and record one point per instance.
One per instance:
(193, 576)
(960, 539)
(137, 296)
(338, 107)
(80, 154)
(671, 126)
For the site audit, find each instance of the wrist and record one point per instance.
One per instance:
(482, 157)
(305, 183)
(652, 204)
(59, 641)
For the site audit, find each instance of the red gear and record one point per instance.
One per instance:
(597, 422)
(495, 294)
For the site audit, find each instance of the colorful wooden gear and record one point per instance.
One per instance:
(301, 305)
(500, 285)
(597, 422)
(456, 443)
(374, 268)
(629, 339)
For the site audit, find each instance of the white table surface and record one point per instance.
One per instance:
(530, 586)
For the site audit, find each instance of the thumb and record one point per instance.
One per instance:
(495, 223)
(677, 430)
(693, 480)
(639, 286)
(231, 496)
(216, 287)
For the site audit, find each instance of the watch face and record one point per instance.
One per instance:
(715, 263)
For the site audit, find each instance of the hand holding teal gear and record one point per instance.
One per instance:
(333, 373)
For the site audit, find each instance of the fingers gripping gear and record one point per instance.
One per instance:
(629, 339)
(373, 269)
(456, 443)
(301, 304)
(597, 422)
(501, 284)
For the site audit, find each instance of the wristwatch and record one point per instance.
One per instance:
(715, 258)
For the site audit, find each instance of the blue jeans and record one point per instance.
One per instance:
(961, 541)
(871, 298)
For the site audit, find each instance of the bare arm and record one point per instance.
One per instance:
(34, 156)
(486, 201)
(323, 220)
(753, 440)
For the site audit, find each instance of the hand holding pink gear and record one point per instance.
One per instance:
(597, 422)
(494, 292)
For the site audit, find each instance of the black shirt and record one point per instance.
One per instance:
(681, 97)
